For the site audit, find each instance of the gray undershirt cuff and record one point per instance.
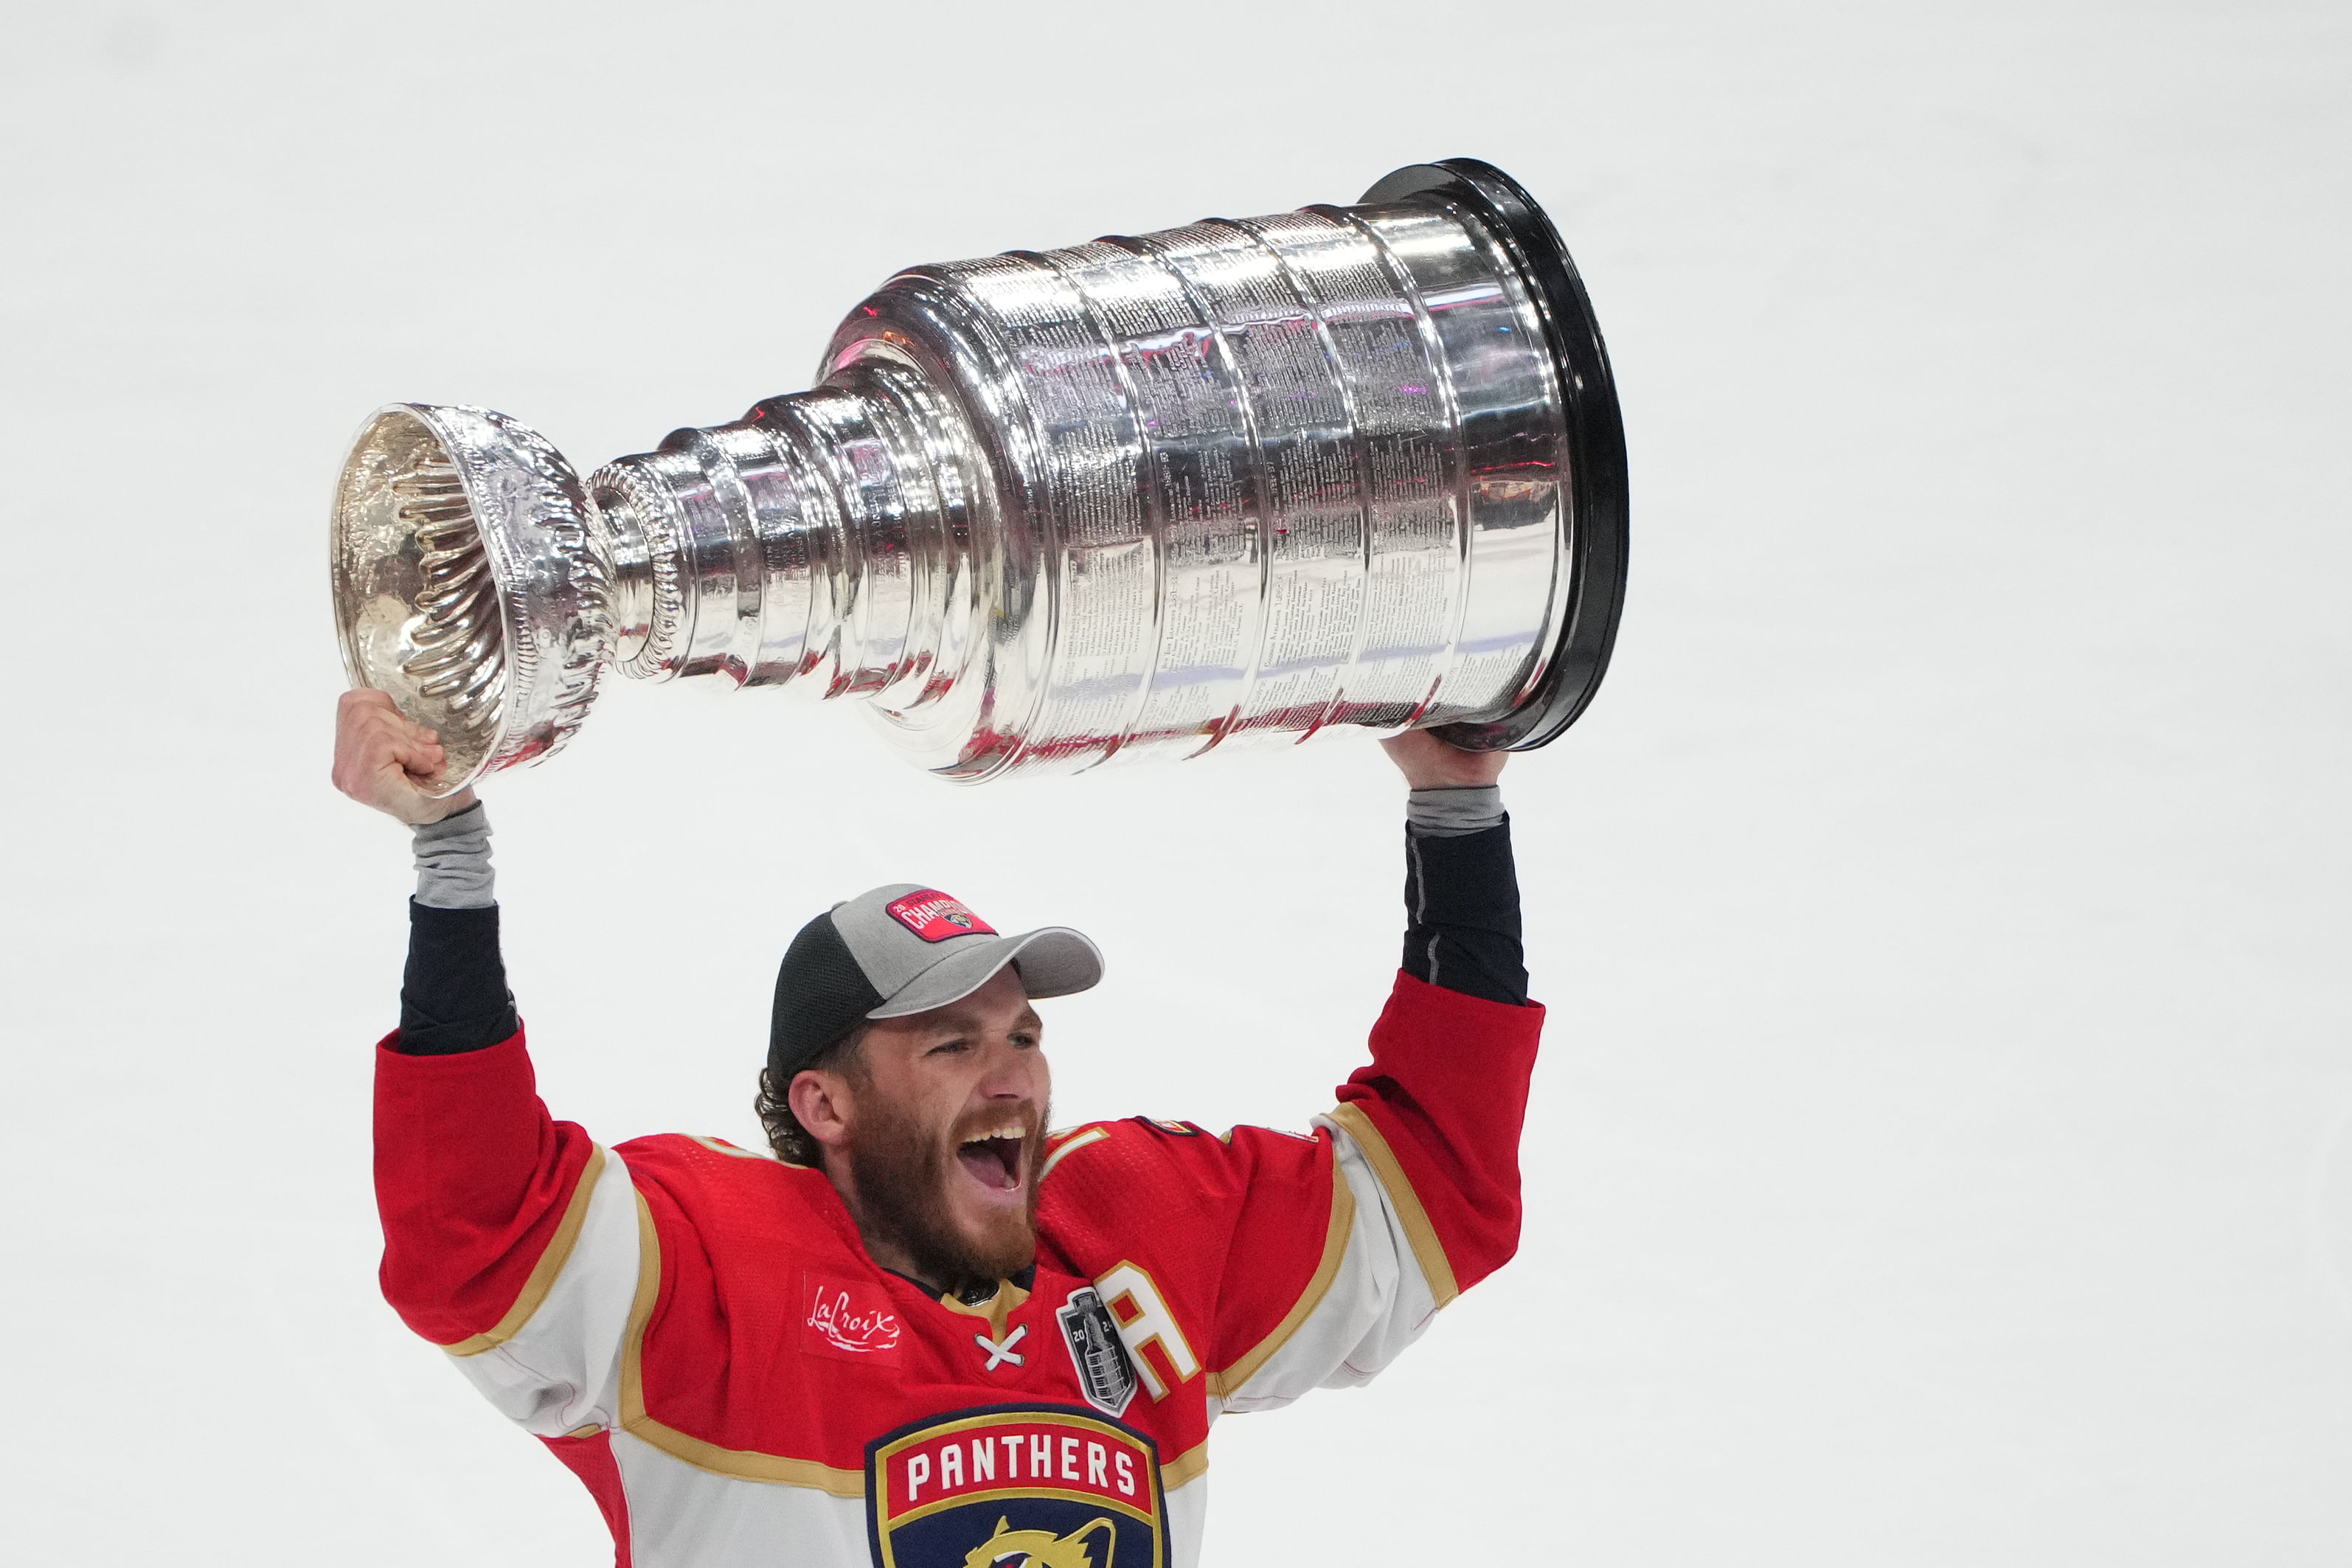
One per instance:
(452, 861)
(1453, 813)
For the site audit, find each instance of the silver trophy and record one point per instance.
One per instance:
(1229, 484)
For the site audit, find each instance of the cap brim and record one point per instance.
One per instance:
(1054, 961)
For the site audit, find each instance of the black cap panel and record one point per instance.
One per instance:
(820, 995)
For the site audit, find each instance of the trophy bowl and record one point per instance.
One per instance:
(1228, 485)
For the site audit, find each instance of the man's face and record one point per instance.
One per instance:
(943, 1137)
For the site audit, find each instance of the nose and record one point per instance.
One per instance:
(1013, 1073)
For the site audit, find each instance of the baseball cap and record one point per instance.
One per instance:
(904, 949)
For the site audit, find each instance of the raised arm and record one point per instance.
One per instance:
(1461, 890)
(508, 1235)
(1439, 1109)
(1303, 1262)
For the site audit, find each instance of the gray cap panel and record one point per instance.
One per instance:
(1054, 961)
(896, 937)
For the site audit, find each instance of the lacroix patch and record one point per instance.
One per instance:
(853, 1321)
(935, 917)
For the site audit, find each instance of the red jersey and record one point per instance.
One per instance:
(696, 1329)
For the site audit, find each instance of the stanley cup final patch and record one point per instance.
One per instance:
(935, 917)
(1016, 1486)
(1096, 1349)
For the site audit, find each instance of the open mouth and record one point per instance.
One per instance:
(995, 1158)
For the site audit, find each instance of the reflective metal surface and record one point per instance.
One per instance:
(466, 583)
(1225, 485)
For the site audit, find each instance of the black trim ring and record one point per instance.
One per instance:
(1596, 440)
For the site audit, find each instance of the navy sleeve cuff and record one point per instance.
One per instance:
(1461, 914)
(453, 997)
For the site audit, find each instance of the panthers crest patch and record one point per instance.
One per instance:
(1016, 1486)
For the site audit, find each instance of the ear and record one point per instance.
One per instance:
(821, 1101)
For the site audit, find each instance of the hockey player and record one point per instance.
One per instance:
(922, 1332)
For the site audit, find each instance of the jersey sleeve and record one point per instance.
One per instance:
(1269, 1264)
(511, 1239)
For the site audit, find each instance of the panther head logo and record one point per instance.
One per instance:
(1010, 1548)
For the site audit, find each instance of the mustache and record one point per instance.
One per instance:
(902, 1172)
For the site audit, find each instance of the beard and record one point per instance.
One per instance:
(900, 1169)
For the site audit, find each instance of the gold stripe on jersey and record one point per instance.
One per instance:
(1426, 1248)
(1076, 1141)
(741, 1464)
(1184, 1466)
(543, 1272)
(1335, 1247)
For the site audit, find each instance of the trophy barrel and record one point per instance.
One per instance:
(1241, 482)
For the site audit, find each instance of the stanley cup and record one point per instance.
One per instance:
(1228, 484)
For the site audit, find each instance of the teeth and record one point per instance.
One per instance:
(1014, 1133)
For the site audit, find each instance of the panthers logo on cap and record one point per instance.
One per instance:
(937, 917)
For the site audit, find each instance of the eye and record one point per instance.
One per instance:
(1024, 1040)
(948, 1048)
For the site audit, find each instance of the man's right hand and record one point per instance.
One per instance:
(382, 761)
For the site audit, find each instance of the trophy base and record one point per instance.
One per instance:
(1596, 433)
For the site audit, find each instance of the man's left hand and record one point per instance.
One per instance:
(1428, 762)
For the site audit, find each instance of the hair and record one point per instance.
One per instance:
(773, 1104)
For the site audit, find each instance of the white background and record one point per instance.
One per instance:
(1942, 1148)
